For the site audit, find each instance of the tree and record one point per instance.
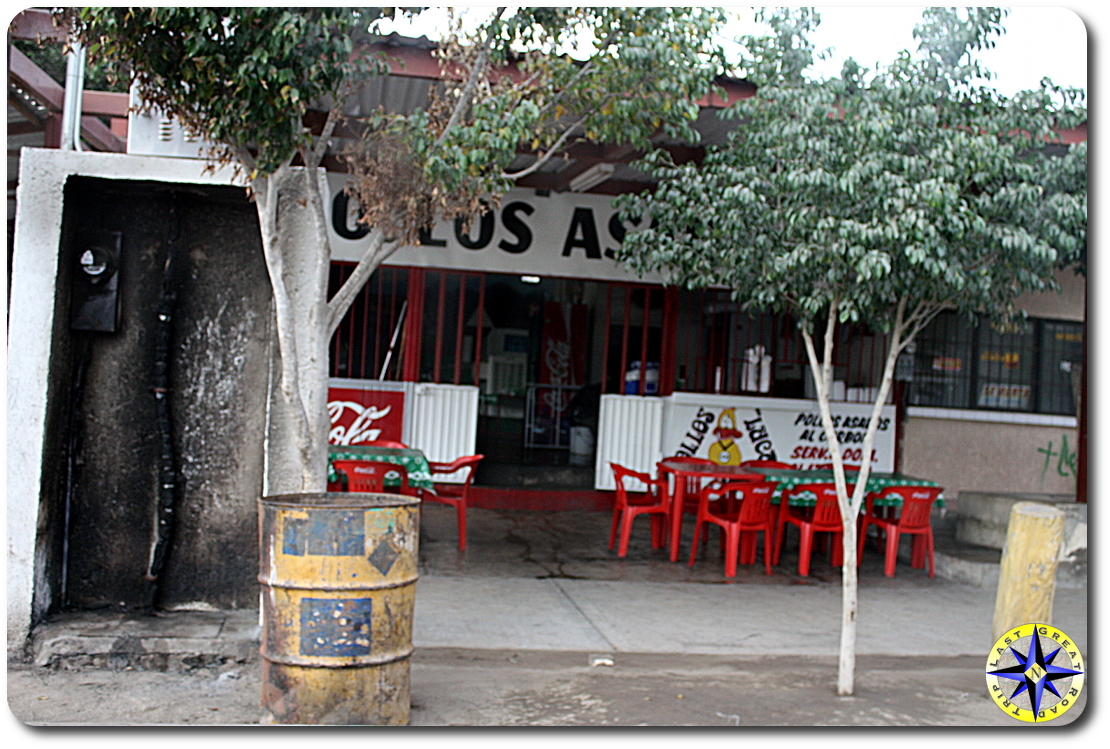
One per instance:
(879, 200)
(250, 79)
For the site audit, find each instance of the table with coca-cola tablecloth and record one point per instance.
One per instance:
(876, 481)
(414, 461)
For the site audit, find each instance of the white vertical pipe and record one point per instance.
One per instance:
(71, 106)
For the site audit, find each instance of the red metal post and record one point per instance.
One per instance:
(624, 338)
(478, 333)
(392, 315)
(350, 317)
(439, 325)
(364, 295)
(414, 327)
(669, 350)
(605, 347)
(459, 323)
(1081, 468)
(378, 324)
(644, 340)
(52, 133)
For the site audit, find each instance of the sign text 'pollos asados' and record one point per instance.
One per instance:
(731, 429)
(568, 235)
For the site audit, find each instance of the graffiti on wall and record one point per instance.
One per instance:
(1062, 461)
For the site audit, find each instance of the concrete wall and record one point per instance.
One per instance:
(966, 455)
(1067, 304)
(41, 353)
(218, 367)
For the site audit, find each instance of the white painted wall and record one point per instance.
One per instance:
(38, 222)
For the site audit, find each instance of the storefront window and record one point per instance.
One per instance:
(1004, 368)
(633, 318)
(543, 350)
(366, 343)
(454, 327)
(723, 349)
(943, 365)
(1060, 368)
(958, 365)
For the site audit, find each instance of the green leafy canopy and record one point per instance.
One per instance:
(538, 81)
(236, 76)
(529, 80)
(912, 184)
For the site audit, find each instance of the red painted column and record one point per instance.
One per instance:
(899, 422)
(605, 343)
(414, 326)
(1081, 468)
(669, 353)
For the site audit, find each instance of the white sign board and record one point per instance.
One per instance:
(729, 429)
(568, 235)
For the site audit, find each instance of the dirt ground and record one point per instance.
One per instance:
(454, 687)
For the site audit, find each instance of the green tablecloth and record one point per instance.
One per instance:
(414, 461)
(875, 481)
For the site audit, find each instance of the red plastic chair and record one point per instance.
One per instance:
(369, 476)
(454, 494)
(822, 518)
(655, 502)
(768, 464)
(752, 513)
(385, 443)
(913, 518)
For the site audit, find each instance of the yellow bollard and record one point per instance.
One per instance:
(1027, 577)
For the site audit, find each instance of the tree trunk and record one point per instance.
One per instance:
(822, 376)
(849, 613)
(845, 682)
(298, 259)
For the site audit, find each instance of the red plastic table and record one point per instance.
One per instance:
(682, 470)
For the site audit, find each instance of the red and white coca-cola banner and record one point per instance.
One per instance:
(359, 416)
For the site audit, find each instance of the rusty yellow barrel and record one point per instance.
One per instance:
(338, 574)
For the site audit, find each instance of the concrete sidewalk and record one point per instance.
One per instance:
(582, 616)
(539, 624)
(756, 620)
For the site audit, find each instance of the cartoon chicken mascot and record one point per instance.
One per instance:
(726, 450)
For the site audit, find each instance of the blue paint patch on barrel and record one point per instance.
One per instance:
(330, 533)
(335, 627)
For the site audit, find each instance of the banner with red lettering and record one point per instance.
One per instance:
(359, 416)
(731, 429)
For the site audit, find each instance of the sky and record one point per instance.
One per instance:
(1039, 41)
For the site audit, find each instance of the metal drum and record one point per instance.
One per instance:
(338, 574)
